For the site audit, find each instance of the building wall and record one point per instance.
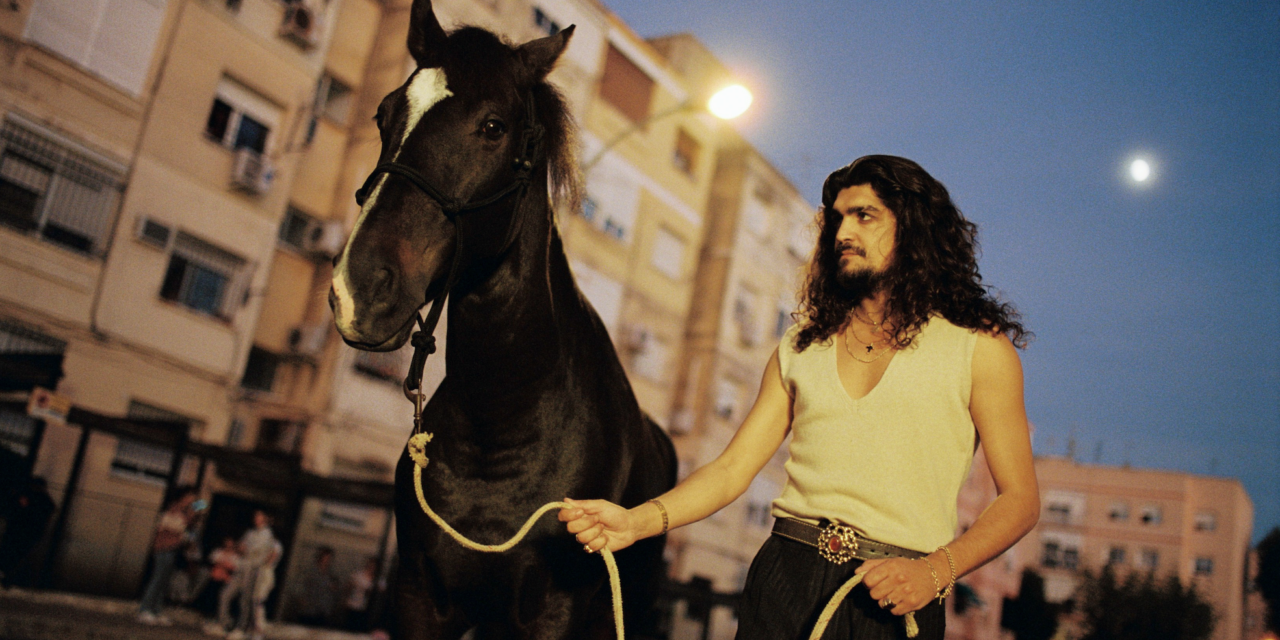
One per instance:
(1177, 520)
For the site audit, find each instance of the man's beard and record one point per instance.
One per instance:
(859, 284)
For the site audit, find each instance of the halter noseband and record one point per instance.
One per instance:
(423, 340)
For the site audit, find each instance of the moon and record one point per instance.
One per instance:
(1140, 170)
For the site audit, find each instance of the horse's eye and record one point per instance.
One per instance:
(493, 129)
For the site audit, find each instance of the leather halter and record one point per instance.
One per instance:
(423, 340)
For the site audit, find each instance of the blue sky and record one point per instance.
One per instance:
(1156, 307)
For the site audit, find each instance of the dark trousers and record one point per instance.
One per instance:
(790, 583)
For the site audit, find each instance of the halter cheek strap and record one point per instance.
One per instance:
(423, 340)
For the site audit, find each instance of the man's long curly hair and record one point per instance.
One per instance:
(934, 268)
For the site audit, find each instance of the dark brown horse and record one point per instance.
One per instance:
(535, 405)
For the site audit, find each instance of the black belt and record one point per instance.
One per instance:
(839, 543)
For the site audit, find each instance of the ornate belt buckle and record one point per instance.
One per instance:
(838, 543)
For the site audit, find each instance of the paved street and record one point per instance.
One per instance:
(42, 615)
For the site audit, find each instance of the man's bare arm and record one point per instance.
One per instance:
(705, 491)
(1000, 415)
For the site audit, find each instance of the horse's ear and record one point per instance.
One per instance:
(426, 36)
(540, 55)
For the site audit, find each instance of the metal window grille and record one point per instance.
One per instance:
(16, 338)
(17, 431)
(53, 190)
(140, 460)
(204, 277)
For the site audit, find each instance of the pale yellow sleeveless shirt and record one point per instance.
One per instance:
(891, 463)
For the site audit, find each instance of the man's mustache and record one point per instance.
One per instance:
(845, 246)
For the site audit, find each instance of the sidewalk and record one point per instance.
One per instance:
(51, 615)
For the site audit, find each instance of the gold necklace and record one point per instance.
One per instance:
(869, 321)
(870, 348)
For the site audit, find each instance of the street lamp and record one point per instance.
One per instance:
(726, 104)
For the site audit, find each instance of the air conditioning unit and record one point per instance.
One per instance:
(308, 340)
(252, 172)
(154, 233)
(324, 238)
(301, 24)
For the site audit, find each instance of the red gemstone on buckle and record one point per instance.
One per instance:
(834, 544)
(837, 543)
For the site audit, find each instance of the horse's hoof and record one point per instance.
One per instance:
(418, 449)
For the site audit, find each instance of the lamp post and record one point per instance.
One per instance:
(726, 104)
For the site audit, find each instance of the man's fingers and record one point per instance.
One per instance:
(581, 524)
(591, 534)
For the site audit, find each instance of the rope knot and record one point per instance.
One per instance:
(424, 341)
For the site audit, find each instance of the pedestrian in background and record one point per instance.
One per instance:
(262, 586)
(319, 593)
(223, 563)
(256, 549)
(359, 584)
(26, 512)
(171, 532)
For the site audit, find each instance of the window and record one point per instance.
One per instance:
(333, 99)
(1058, 512)
(142, 460)
(1119, 512)
(1070, 558)
(1115, 556)
(544, 23)
(203, 277)
(56, 191)
(17, 430)
(351, 518)
(589, 208)
(685, 154)
(1206, 521)
(1052, 555)
(650, 360)
(783, 321)
(626, 86)
(1151, 515)
(744, 314)
(294, 227)
(280, 436)
(391, 366)
(1150, 559)
(260, 370)
(668, 253)
(240, 118)
(756, 210)
(113, 39)
(799, 240)
(28, 358)
(1204, 566)
(727, 398)
(604, 293)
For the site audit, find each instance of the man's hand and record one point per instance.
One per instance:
(907, 583)
(600, 523)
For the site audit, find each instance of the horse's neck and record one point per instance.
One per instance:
(502, 334)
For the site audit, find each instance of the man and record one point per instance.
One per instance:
(319, 591)
(900, 364)
(170, 534)
(259, 550)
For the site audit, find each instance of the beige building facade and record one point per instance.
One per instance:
(1194, 527)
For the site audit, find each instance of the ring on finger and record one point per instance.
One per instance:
(587, 548)
(886, 603)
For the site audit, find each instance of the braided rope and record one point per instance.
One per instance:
(615, 581)
(828, 611)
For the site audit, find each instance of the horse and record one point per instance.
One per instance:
(535, 405)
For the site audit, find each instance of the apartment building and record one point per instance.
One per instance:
(1191, 526)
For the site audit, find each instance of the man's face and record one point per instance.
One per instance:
(259, 519)
(865, 239)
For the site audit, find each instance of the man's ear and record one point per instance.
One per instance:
(426, 36)
(539, 56)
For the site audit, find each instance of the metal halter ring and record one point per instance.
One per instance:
(838, 543)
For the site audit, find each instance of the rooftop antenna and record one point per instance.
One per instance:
(1128, 453)
(1097, 453)
(1071, 444)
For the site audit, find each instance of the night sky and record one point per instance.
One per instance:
(1156, 306)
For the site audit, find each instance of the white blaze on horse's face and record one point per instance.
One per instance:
(427, 88)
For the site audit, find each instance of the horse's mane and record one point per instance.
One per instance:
(475, 49)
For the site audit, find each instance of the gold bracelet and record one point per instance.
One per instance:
(663, 511)
(937, 588)
(951, 562)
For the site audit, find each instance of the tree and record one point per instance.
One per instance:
(1143, 608)
(1268, 580)
(1029, 616)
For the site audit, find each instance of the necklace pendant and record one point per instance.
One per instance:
(869, 348)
